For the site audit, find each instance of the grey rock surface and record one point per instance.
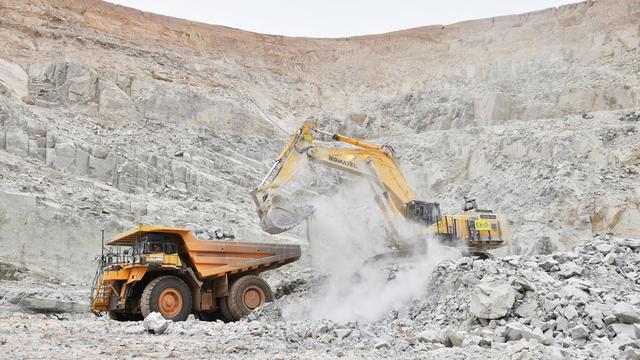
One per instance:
(437, 322)
(44, 305)
(13, 79)
(627, 313)
(110, 118)
(492, 300)
(154, 323)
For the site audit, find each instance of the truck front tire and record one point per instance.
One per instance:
(169, 296)
(246, 294)
(225, 313)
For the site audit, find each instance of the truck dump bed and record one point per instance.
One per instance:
(212, 258)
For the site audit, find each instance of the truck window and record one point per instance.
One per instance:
(152, 248)
(159, 247)
(170, 248)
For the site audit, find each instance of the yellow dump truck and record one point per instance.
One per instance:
(170, 271)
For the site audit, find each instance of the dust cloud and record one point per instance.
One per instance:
(346, 230)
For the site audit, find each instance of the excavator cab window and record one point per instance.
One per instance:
(469, 204)
(422, 212)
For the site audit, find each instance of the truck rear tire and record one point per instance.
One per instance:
(169, 296)
(246, 294)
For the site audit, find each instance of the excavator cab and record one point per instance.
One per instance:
(469, 204)
(422, 212)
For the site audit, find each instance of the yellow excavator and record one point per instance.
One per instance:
(474, 230)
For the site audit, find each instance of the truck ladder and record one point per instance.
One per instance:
(100, 290)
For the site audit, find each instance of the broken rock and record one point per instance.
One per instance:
(43, 305)
(630, 243)
(579, 332)
(13, 79)
(570, 312)
(626, 330)
(627, 313)
(154, 323)
(535, 334)
(432, 336)
(604, 248)
(569, 269)
(513, 331)
(492, 300)
(548, 263)
(527, 309)
(456, 337)
(572, 292)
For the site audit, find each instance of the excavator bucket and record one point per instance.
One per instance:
(277, 214)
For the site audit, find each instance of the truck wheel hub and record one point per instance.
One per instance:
(170, 302)
(253, 297)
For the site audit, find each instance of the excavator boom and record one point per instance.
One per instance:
(375, 162)
(278, 211)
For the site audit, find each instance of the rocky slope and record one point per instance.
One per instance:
(576, 58)
(137, 105)
(111, 117)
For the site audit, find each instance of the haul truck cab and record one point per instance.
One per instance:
(170, 271)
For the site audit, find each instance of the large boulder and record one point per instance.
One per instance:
(60, 82)
(114, 104)
(17, 142)
(433, 336)
(620, 215)
(630, 243)
(492, 300)
(13, 79)
(492, 108)
(154, 323)
(579, 332)
(627, 313)
(626, 331)
(45, 305)
(65, 156)
(569, 269)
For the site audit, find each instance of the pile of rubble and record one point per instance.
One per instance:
(211, 233)
(632, 116)
(579, 303)
(584, 300)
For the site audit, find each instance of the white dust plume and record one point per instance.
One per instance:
(346, 230)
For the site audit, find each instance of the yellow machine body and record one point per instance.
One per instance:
(206, 266)
(477, 230)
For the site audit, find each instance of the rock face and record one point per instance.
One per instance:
(111, 117)
(492, 300)
(13, 79)
(430, 78)
(117, 111)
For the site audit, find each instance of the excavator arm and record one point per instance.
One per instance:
(375, 162)
(479, 230)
